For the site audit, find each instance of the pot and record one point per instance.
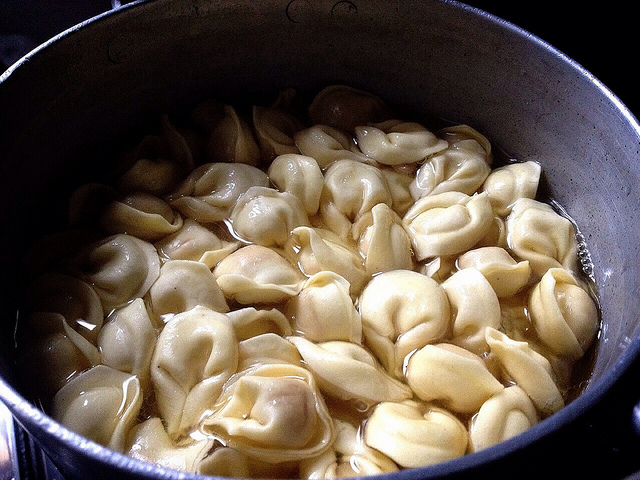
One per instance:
(68, 102)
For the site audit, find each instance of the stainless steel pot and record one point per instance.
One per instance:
(63, 105)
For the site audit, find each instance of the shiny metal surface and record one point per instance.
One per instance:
(113, 75)
(8, 453)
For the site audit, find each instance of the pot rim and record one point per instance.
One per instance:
(31, 417)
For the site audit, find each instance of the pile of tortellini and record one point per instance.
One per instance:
(309, 290)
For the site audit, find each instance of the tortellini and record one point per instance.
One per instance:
(402, 311)
(563, 313)
(306, 289)
(448, 223)
(415, 436)
(273, 413)
(196, 353)
(102, 404)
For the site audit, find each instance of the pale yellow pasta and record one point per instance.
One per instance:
(395, 142)
(158, 162)
(211, 190)
(306, 290)
(415, 436)
(383, 242)
(475, 306)
(462, 167)
(273, 413)
(347, 371)
(317, 249)
(324, 311)
(101, 404)
(257, 275)
(249, 322)
(563, 313)
(274, 129)
(149, 441)
(299, 175)
(535, 232)
(505, 185)
(231, 140)
(196, 354)
(348, 457)
(528, 369)
(120, 268)
(183, 285)
(402, 311)
(127, 340)
(505, 415)
(503, 272)
(195, 242)
(266, 348)
(74, 299)
(448, 223)
(327, 145)
(345, 108)
(457, 378)
(265, 216)
(351, 189)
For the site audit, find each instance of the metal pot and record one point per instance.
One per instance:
(70, 98)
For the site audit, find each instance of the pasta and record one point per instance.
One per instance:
(307, 289)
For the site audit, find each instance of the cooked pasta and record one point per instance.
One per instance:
(278, 293)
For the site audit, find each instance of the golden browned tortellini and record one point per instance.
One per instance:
(272, 413)
(127, 340)
(414, 435)
(504, 273)
(149, 441)
(395, 142)
(448, 223)
(327, 145)
(156, 164)
(120, 268)
(382, 241)
(348, 457)
(347, 371)
(265, 216)
(505, 415)
(317, 249)
(256, 275)
(299, 175)
(537, 233)
(142, 215)
(457, 378)
(345, 108)
(563, 313)
(528, 369)
(182, 285)
(350, 190)
(402, 311)
(505, 185)
(196, 353)
(275, 129)
(101, 404)
(195, 242)
(475, 306)
(462, 167)
(211, 190)
(74, 299)
(323, 310)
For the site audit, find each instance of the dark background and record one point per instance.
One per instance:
(603, 38)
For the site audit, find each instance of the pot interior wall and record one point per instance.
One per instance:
(62, 109)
